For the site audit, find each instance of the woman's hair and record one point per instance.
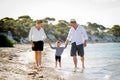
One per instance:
(39, 21)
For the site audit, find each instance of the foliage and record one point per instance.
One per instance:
(94, 28)
(21, 26)
(5, 42)
(61, 30)
(115, 30)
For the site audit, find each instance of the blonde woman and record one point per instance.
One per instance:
(37, 37)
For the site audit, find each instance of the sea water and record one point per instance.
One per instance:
(102, 62)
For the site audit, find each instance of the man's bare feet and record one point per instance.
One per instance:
(83, 69)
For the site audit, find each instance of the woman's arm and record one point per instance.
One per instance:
(49, 44)
(30, 34)
(32, 43)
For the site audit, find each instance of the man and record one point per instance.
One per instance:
(37, 37)
(78, 36)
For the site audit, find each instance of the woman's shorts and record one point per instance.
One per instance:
(38, 46)
(77, 48)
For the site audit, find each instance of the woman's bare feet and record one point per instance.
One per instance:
(75, 69)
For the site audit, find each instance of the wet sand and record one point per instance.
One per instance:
(18, 63)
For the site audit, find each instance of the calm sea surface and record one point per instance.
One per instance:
(102, 62)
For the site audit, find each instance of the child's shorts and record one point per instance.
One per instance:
(58, 58)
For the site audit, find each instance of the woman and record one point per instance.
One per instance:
(37, 36)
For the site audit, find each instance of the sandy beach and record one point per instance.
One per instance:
(102, 62)
(15, 64)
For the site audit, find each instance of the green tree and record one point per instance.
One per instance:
(115, 30)
(61, 30)
(48, 20)
(95, 28)
(7, 24)
(23, 25)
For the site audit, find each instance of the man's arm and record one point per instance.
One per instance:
(85, 37)
(85, 43)
(66, 43)
(69, 37)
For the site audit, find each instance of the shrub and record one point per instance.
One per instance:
(5, 42)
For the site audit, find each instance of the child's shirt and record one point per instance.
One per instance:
(59, 50)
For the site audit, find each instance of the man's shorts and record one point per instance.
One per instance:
(77, 48)
(58, 58)
(38, 46)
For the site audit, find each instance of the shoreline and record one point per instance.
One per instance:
(17, 63)
(11, 68)
(101, 42)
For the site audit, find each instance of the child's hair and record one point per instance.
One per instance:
(58, 42)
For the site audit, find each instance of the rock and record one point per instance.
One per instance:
(32, 73)
(103, 38)
(41, 76)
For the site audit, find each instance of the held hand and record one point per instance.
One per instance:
(66, 43)
(47, 40)
(49, 43)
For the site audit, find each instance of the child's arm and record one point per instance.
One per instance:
(51, 46)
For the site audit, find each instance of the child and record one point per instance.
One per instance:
(59, 51)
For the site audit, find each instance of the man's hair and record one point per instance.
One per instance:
(39, 21)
